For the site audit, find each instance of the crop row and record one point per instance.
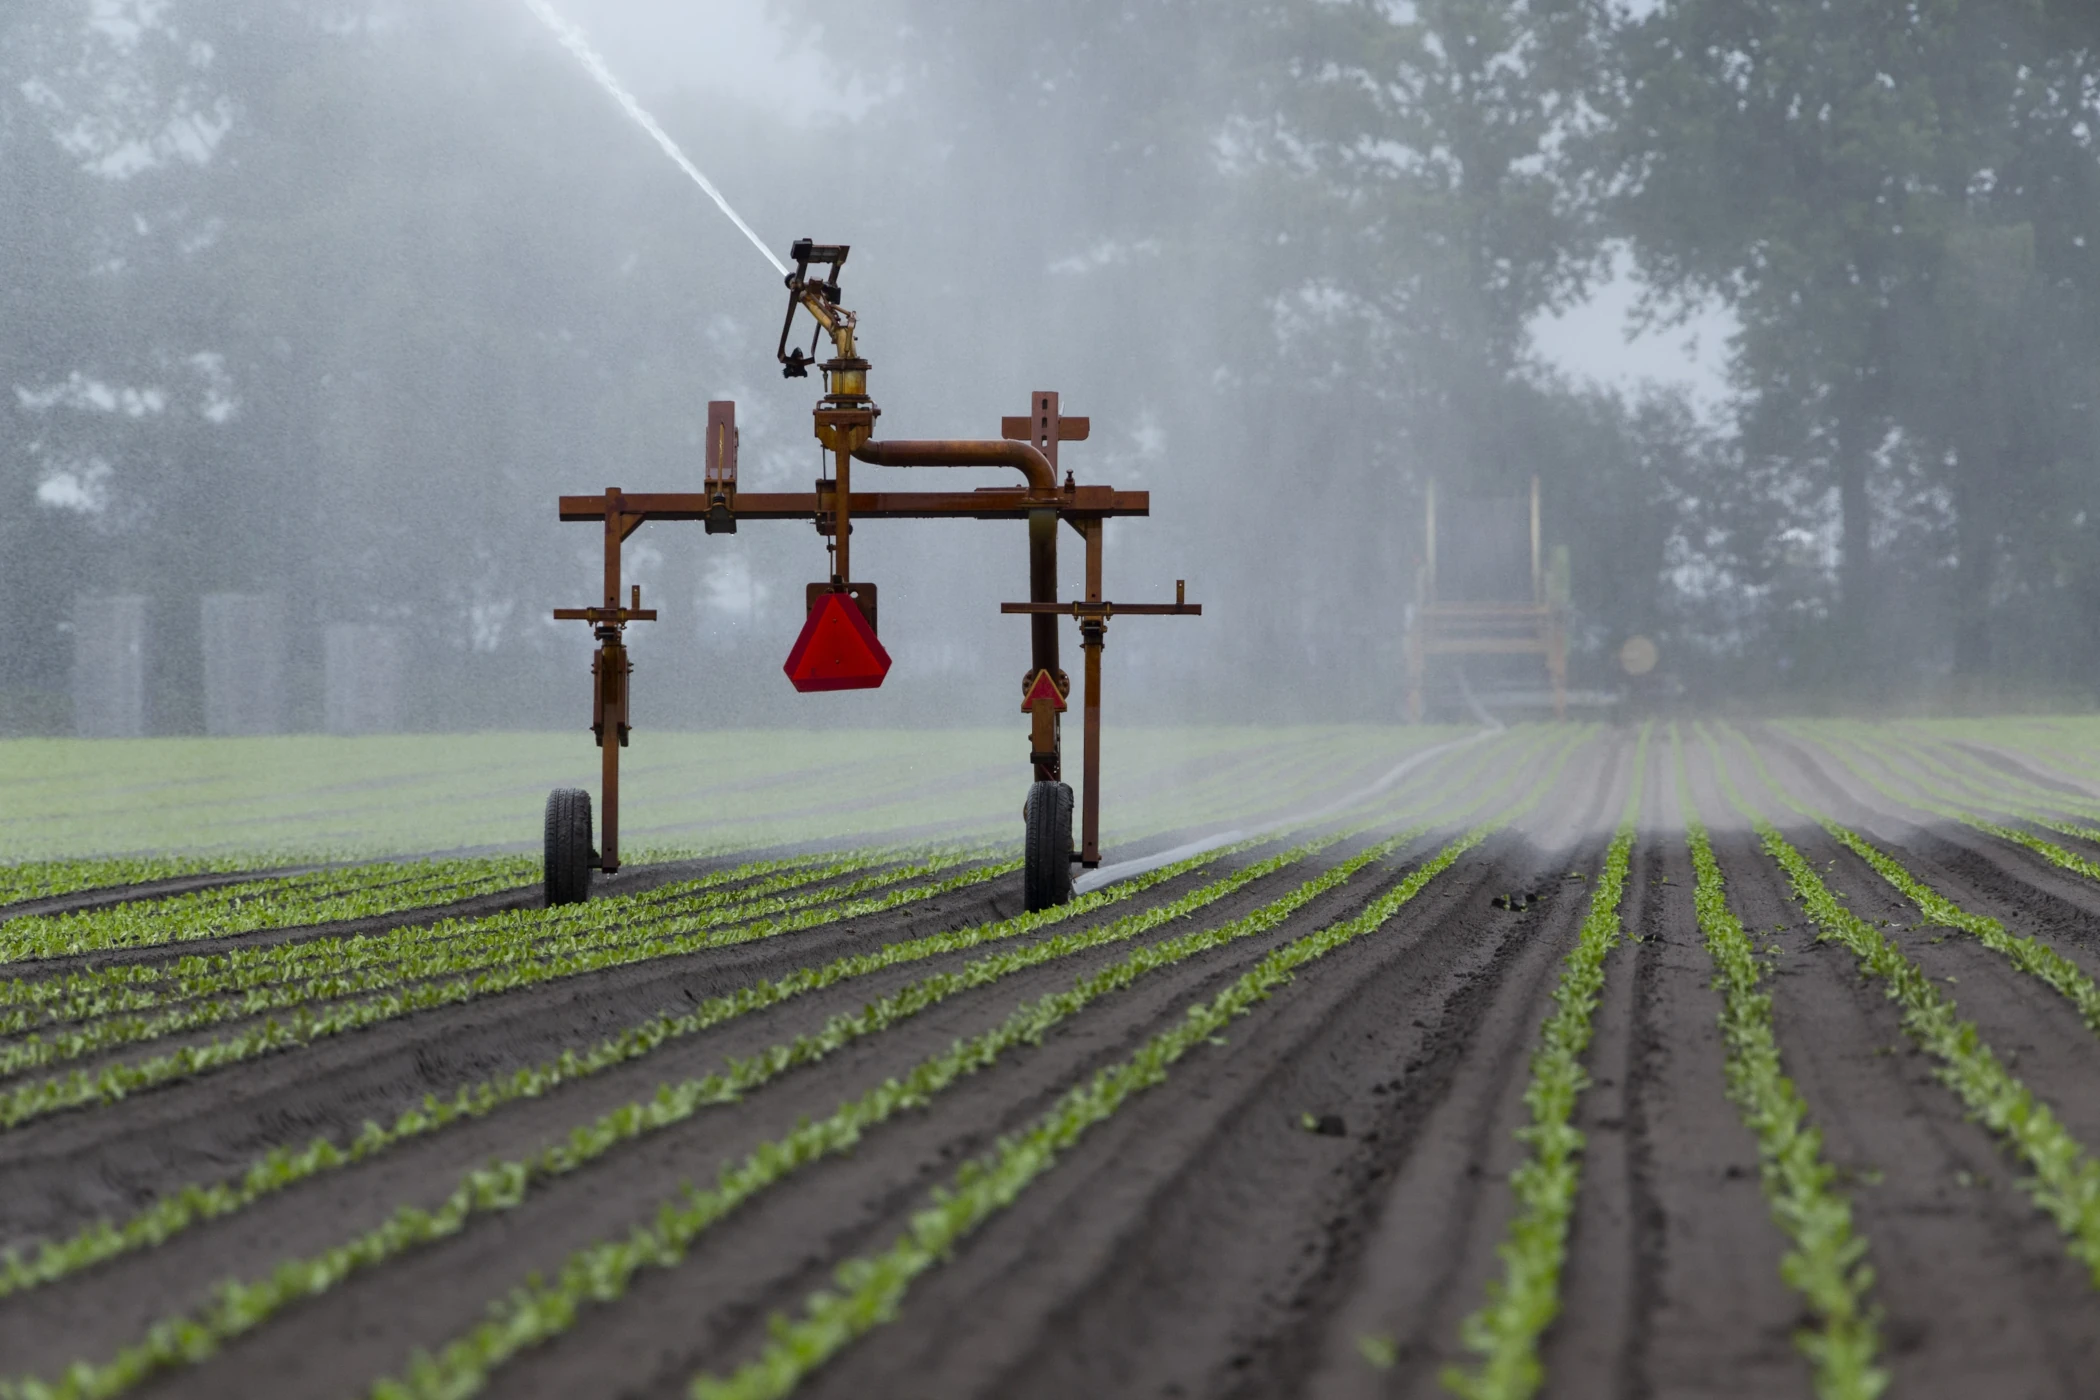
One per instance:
(764, 876)
(43, 879)
(1826, 1263)
(2038, 806)
(295, 973)
(287, 902)
(1975, 769)
(871, 1289)
(2066, 1180)
(285, 1167)
(1966, 769)
(476, 959)
(2048, 850)
(1523, 1303)
(237, 1307)
(305, 1024)
(2030, 955)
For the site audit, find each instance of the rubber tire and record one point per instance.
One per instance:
(1046, 879)
(569, 856)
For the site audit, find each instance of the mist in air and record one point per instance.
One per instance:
(311, 312)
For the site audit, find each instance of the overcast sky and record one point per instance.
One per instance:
(735, 47)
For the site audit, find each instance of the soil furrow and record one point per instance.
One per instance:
(1978, 1294)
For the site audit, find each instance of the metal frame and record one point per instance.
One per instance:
(844, 422)
(1538, 627)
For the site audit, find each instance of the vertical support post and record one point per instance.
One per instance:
(1557, 664)
(609, 671)
(842, 518)
(1429, 548)
(1538, 574)
(1415, 661)
(1093, 632)
(1425, 594)
(1042, 588)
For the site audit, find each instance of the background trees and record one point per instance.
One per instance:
(330, 300)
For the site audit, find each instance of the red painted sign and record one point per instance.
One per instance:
(837, 649)
(1043, 687)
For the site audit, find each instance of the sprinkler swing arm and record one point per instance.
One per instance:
(844, 423)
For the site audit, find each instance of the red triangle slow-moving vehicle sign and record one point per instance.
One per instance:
(837, 649)
(1043, 687)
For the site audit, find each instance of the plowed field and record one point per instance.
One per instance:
(1693, 1060)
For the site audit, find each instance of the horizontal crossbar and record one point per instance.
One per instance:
(991, 503)
(1082, 610)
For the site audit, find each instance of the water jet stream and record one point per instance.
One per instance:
(572, 39)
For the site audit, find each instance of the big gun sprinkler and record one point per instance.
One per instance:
(838, 648)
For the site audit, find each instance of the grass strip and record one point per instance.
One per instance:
(2065, 1180)
(2030, 955)
(871, 1289)
(1522, 1304)
(1827, 1262)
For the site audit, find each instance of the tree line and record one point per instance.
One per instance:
(329, 301)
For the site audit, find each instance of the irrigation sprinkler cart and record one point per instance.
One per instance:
(838, 648)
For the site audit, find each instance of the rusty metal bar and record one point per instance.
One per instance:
(1093, 634)
(965, 452)
(842, 520)
(1082, 611)
(988, 503)
(612, 693)
(1042, 588)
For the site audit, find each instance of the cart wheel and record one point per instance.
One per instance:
(1047, 876)
(569, 856)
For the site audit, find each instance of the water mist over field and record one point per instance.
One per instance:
(315, 311)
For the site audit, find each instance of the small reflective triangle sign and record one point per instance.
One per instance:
(837, 649)
(1043, 687)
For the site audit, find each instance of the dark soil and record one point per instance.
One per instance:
(1310, 1208)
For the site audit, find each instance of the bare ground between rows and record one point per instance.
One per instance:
(1168, 1254)
(1409, 1256)
(1671, 1285)
(422, 1298)
(1199, 1242)
(1979, 1295)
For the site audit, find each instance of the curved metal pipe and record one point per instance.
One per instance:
(958, 452)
